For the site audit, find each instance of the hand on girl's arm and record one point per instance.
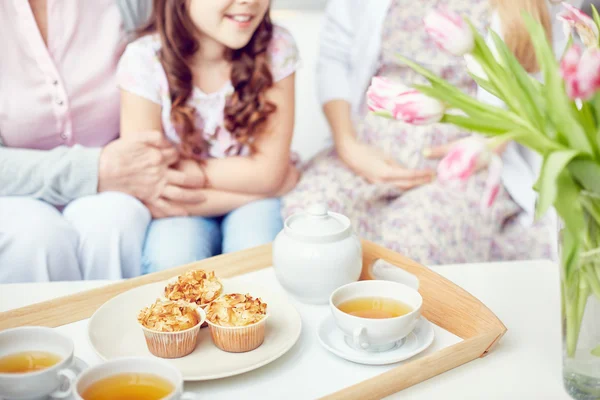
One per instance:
(211, 202)
(264, 171)
(139, 119)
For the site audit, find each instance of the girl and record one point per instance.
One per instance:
(217, 77)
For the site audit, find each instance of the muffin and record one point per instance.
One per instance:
(195, 286)
(171, 327)
(237, 322)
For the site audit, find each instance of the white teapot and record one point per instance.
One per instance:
(315, 253)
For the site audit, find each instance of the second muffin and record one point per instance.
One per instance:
(237, 322)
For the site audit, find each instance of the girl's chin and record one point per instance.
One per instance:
(236, 43)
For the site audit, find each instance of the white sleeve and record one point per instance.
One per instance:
(137, 71)
(336, 41)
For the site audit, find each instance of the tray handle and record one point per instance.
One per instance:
(446, 304)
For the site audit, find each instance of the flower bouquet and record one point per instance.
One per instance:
(559, 118)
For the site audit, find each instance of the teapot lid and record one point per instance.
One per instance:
(316, 223)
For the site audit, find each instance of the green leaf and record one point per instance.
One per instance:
(596, 350)
(450, 94)
(523, 89)
(570, 251)
(587, 173)
(431, 76)
(595, 102)
(568, 206)
(593, 209)
(596, 17)
(486, 85)
(485, 57)
(487, 127)
(383, 114)
(461, 101)
(553, 166)
(587, 119)
(569, 129)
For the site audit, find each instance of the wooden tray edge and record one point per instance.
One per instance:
(418, 370)
(479, 338)
(76, 307)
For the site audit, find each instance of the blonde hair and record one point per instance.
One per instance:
(515, 33)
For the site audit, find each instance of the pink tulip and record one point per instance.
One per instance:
(450, 32)
(588, 73)
(380, 95)
(414, 108)
(493, 183)
(393, 100)
(463, 160)
(570, 61)
(467, 157)
(575, 19)
(581, 72)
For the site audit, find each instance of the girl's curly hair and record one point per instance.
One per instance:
(251, 76)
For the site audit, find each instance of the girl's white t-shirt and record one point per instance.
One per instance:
(140, 72)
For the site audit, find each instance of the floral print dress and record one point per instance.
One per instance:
(432, 224)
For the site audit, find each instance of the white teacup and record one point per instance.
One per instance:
(43, 383)
(376, 334)
(140, 365)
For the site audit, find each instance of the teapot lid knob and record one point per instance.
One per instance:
(317, 210)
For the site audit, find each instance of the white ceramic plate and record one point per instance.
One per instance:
(417, 341)
(114, 333)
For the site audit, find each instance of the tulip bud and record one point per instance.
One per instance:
(414, 108)
(575, 19)
(450, 32)
(581, 72)
(463, 160)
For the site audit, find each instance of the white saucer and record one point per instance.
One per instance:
(417, 341)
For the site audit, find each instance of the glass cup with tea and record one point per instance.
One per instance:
(36, 363)
(375, 315)
(136, 378)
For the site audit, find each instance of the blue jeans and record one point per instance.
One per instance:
(171, 242)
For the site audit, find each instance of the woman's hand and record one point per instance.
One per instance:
(177, 195)
(142, 168)
(376, 167)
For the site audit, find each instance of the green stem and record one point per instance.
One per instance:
(584, 293)
(572, 316)
(592, 280)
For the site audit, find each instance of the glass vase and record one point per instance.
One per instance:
(580, 300)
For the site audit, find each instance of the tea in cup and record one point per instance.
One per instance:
(375, 315)
(35, 362)
(131, 379)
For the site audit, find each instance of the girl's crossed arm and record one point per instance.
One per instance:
(139, 114)
(263, 172)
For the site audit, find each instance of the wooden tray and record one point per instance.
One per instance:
(445, 304)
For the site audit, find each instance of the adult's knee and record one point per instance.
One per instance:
(36, 242)
(109, 214)
(111, 228)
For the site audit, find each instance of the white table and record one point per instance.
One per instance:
(525, 365)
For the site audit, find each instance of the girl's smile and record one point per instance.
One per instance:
(230, 23)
